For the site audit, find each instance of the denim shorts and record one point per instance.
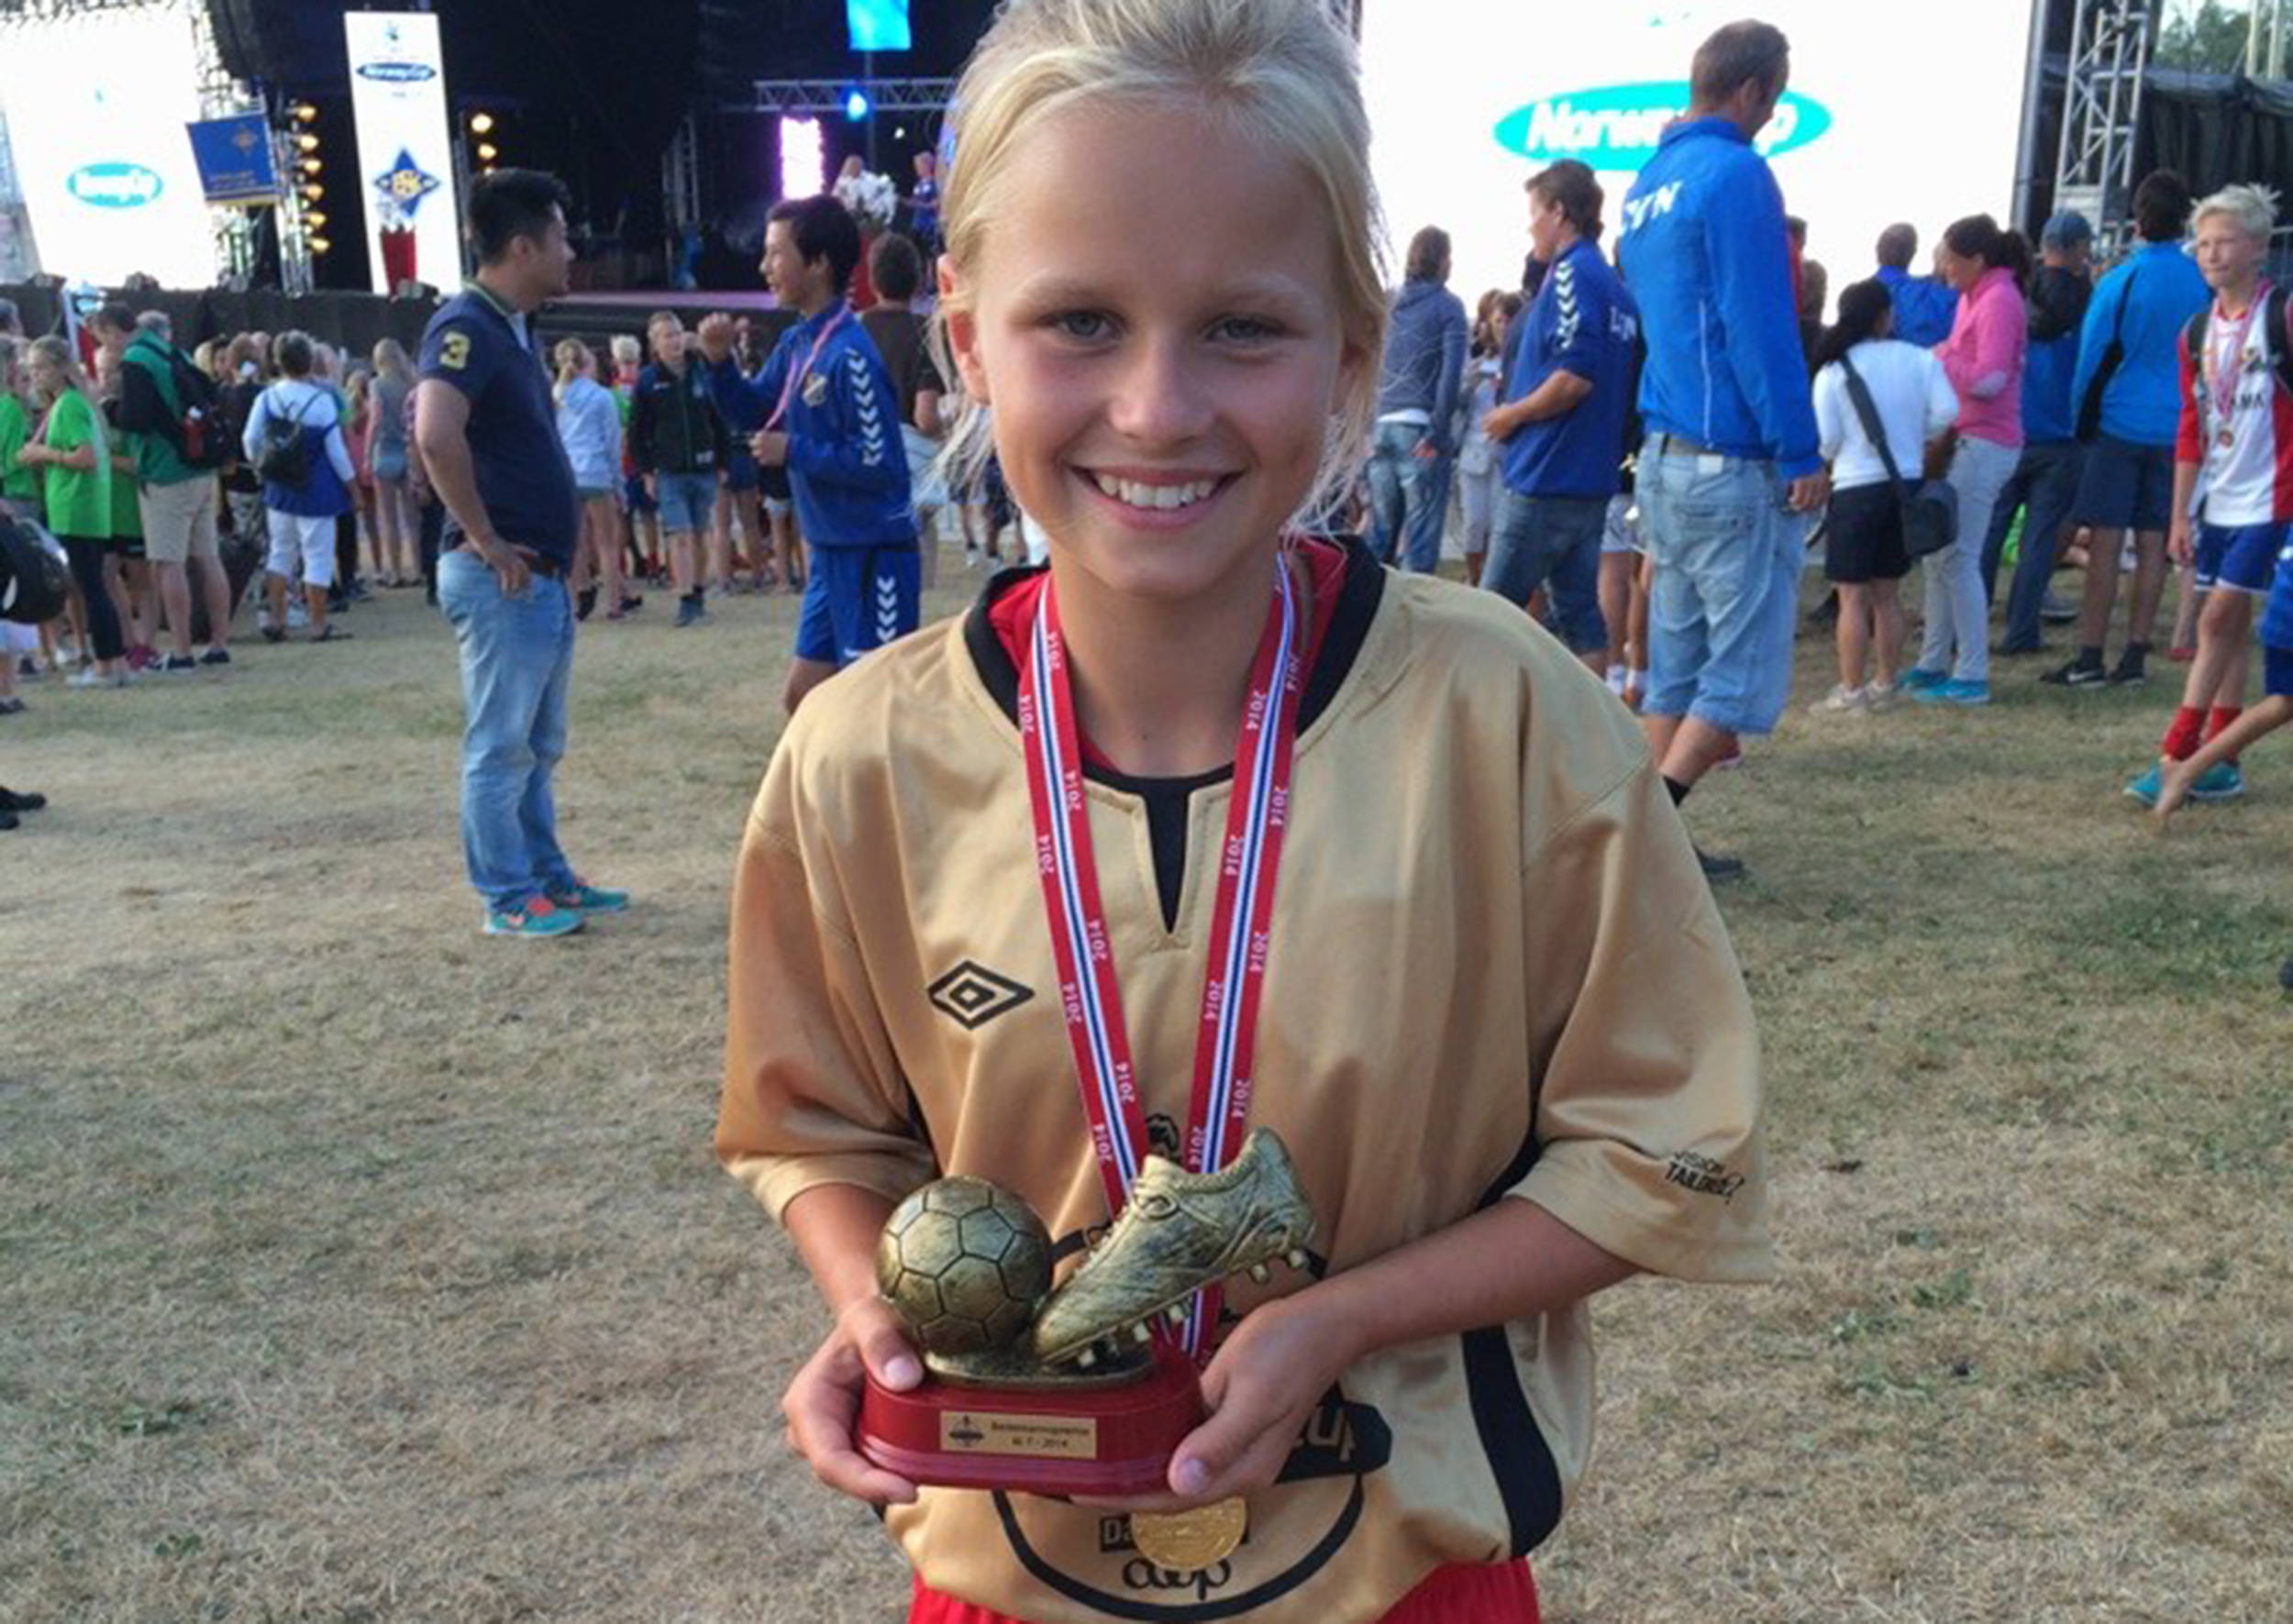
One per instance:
(2242, 557)
(1722, 610)
(2124, 486)
(688, 502)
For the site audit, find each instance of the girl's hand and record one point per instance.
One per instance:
(1261, 1386)
(822, 1403)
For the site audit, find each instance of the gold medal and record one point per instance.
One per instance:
(1189, 1541)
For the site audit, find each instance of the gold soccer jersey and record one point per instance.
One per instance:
(1496, 972)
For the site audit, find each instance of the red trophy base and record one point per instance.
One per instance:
(1103, 1441)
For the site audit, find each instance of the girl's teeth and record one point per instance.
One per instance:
(1153, 496)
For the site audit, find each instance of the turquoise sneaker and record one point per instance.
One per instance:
(2146, 787)
(581, 897)
(538, 918)
(1917, 680)
(1953, 692)
(2224, 780)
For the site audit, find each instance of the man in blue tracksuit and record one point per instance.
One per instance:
(1731, 454)
(2130, 366)
(1417, 400)
(1566, 393)
(825, 408)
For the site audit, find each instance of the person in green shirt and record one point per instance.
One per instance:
(73, 454)
(19, 485)
(136, 588)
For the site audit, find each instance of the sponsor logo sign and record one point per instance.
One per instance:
(114, 185)
(1616, 127)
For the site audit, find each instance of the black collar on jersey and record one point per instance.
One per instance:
(1357, 598)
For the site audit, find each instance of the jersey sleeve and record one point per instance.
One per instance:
(813, 1092)
(861, 449)
(1577, 331)
(2190, 437)
(1648, 1067)
(459, 350)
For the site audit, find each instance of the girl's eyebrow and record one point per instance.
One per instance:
(1054, 292)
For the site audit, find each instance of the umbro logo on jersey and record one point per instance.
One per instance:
(971, 995)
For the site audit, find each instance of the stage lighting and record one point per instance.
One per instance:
(312, 166)
(319, 245)
(804, 159)
(488, 151)
(313, 194)
(306, 113)
(307, 142)
(856, 106)
(481, 124)
(315, 220)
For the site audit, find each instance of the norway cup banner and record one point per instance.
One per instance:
(406, 148)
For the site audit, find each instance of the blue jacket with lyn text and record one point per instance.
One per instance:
(846, 461)
(1706, 254)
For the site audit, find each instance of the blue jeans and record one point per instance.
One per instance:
(1408, 497)
(516, 665)
(1728, 555)
(1557, 539)
(2044, 485)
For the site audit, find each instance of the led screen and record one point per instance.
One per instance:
(880, 24)
(99, 106)
(1894, 115)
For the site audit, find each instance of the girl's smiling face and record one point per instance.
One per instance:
(1155, 319)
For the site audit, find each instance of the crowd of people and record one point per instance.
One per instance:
(1667, 439)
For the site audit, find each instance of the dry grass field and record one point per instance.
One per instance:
(355, 1268)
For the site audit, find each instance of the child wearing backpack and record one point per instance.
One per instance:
(295, 442)
(2233, 514)
(1908, 397)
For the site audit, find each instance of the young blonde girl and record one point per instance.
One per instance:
(73, 455)
(589, 424)
(1160, 275)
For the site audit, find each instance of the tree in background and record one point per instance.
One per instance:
(2209, 37)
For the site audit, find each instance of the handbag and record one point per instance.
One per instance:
(2090, 425)
(34, 583)
(1930, 506)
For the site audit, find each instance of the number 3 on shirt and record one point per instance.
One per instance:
(454, 352)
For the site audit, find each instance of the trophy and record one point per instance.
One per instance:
(1067, 1389)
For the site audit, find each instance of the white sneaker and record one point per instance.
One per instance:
(92, 678)
(1882, 696)
(1842, 701)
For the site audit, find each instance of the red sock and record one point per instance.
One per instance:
(2219, 724)
(2182, 739)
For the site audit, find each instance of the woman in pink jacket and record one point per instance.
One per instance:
(1983, 358)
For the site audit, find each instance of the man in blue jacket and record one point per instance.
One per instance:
(2130, 364)
(2045, 481)
(1561, 420)
(1731, 454)
(1417, 402)
(825, 408)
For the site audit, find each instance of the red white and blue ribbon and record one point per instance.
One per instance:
(1241, 924)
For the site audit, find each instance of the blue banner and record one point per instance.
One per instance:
(879, 25)
(234, 158)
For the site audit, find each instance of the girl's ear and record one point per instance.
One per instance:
(963, 334)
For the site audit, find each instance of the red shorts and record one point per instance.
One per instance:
(1462, 1593)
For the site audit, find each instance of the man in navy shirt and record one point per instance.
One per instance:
(1561, 413)
(1731, 457)
(487, 431)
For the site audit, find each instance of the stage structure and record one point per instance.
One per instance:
(2111, 42)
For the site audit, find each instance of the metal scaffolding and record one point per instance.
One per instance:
(2109, 53)
(814, 96)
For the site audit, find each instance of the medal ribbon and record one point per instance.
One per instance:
(787, 390)
(2224, 360)
(1241, 923)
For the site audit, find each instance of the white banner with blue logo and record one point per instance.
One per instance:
(406, 174)
(98, 105)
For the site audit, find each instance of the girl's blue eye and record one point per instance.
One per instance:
(1078, 323)
(1246, 330)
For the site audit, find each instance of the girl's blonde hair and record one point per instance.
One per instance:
(569, 354)
(58, 354)
(391, 362)
(1282, 71)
